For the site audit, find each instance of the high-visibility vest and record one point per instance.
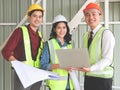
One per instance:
(62, 82)
(95, 53)
(27, 47)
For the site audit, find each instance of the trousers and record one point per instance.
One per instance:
(95, 83)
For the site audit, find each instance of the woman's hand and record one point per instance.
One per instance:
(55, 66)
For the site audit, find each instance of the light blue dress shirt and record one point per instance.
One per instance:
(45, 58)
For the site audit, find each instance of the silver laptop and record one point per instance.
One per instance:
(77, 57)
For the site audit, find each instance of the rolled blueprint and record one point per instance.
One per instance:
(74, 80)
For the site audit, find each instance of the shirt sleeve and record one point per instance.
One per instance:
(45, 58)
(108, 43)
(11, 44)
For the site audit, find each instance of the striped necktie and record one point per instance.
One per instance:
(90, 38)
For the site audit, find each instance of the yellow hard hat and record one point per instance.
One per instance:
(34, 7)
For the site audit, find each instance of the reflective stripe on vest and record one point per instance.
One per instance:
(27, 46)
(95, 53)
(62, 82)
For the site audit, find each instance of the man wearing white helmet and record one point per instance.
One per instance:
(59, 39)
(25, 44)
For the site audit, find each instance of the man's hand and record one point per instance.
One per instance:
(12, 58)
(83, 69)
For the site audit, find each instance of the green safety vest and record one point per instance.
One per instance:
(95, 53)
(62, 82)
(27, 46)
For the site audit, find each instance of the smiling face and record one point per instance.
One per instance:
(61, 30)
(35, 19)
(92, 17)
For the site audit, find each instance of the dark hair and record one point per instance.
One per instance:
(30, 13)
(67, 36)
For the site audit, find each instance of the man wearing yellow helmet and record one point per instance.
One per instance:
(25, 44)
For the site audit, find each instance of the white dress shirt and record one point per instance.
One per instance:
(108, 43)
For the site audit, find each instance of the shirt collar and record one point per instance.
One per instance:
(96, 29)
(31, 30)
(64, 45)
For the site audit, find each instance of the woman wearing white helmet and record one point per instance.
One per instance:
(59, 39)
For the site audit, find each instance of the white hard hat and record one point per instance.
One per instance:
(59, 18)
